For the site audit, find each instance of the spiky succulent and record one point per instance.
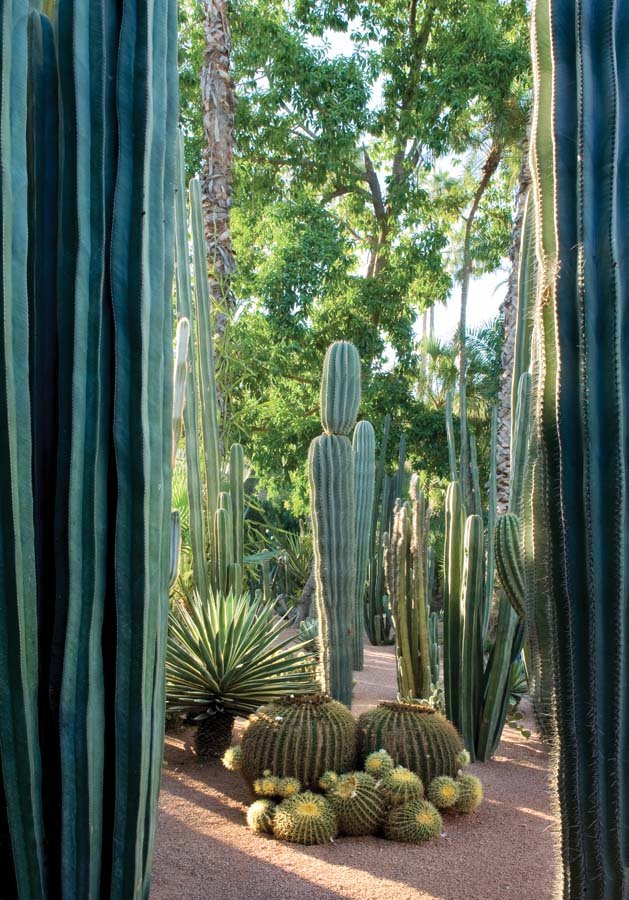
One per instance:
(470, 793)
(443, 792)
(305, 819)
(463, 759)
(328, 780)
(232, 758)
(288, 787)
(379, 763)
(400, 786)
(228, 652)
(260, 816)
(413, 822)
(267, 785)
(357, 803)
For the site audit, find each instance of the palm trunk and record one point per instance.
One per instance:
(218, 96)
(489, 167)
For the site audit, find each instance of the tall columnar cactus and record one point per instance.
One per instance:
(216, 536)
(580, 167)
(477, 693)
(364, 450)
(406, 558)
(378, 619)
(87, 131)
(331, 470)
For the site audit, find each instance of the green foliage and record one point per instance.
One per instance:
(299, 737)
(344, 222)
(357, 803)
(413, 823)
(305, 819)
(229, 654)
(415, 736)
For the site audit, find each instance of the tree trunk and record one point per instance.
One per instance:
(218, 97)
(489, 167)
(509, 311)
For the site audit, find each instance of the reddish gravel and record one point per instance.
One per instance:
(505, 849)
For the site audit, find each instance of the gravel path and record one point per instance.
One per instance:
(505, 849)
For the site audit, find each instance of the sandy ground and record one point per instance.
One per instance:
(505, 849)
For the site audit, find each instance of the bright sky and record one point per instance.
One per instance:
(486, 294)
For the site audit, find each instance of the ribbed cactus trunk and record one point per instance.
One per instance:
(331, 470)
(87, 129)
(580, 164)
(364, 449)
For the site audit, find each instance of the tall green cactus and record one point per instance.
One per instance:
(406, 562)
(331, 472)
(217, 556)
(581, 178)
(452, 582)
(87, 127)
(378, 618)
(364, 452)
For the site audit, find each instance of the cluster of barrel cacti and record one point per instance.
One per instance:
(341, 500)
(382, 797)
(87, 141)
(215, 497)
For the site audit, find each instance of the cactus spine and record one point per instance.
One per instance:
(331, 471)
(364, 449)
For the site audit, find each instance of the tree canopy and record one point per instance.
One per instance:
(361, 130)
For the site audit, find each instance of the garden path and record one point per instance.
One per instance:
(504, 850)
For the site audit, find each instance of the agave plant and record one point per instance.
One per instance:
(226, 657)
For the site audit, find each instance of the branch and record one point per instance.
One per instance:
(374, 187)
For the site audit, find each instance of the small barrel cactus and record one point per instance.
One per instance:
(305, 819)
(267, 785)
(378, 764)
(232, 759)
(414, 822)
(260, 816)
(357, 803)
(400, 786)
(328, 780)
(443, 792)
(463, 759)
(288, 787)
(470, 792)
(299, 737)
(415, 735)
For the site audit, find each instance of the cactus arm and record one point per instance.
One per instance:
(492, 502)
(208, 403)
(451, 440)
(180, 380)
(510, 562)
(185, 308)
(363, 446)
(419, 554)
(19, 751)
(472, 599)
(237, 491)
(452, 599)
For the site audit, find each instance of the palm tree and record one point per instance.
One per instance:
(218, 96)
